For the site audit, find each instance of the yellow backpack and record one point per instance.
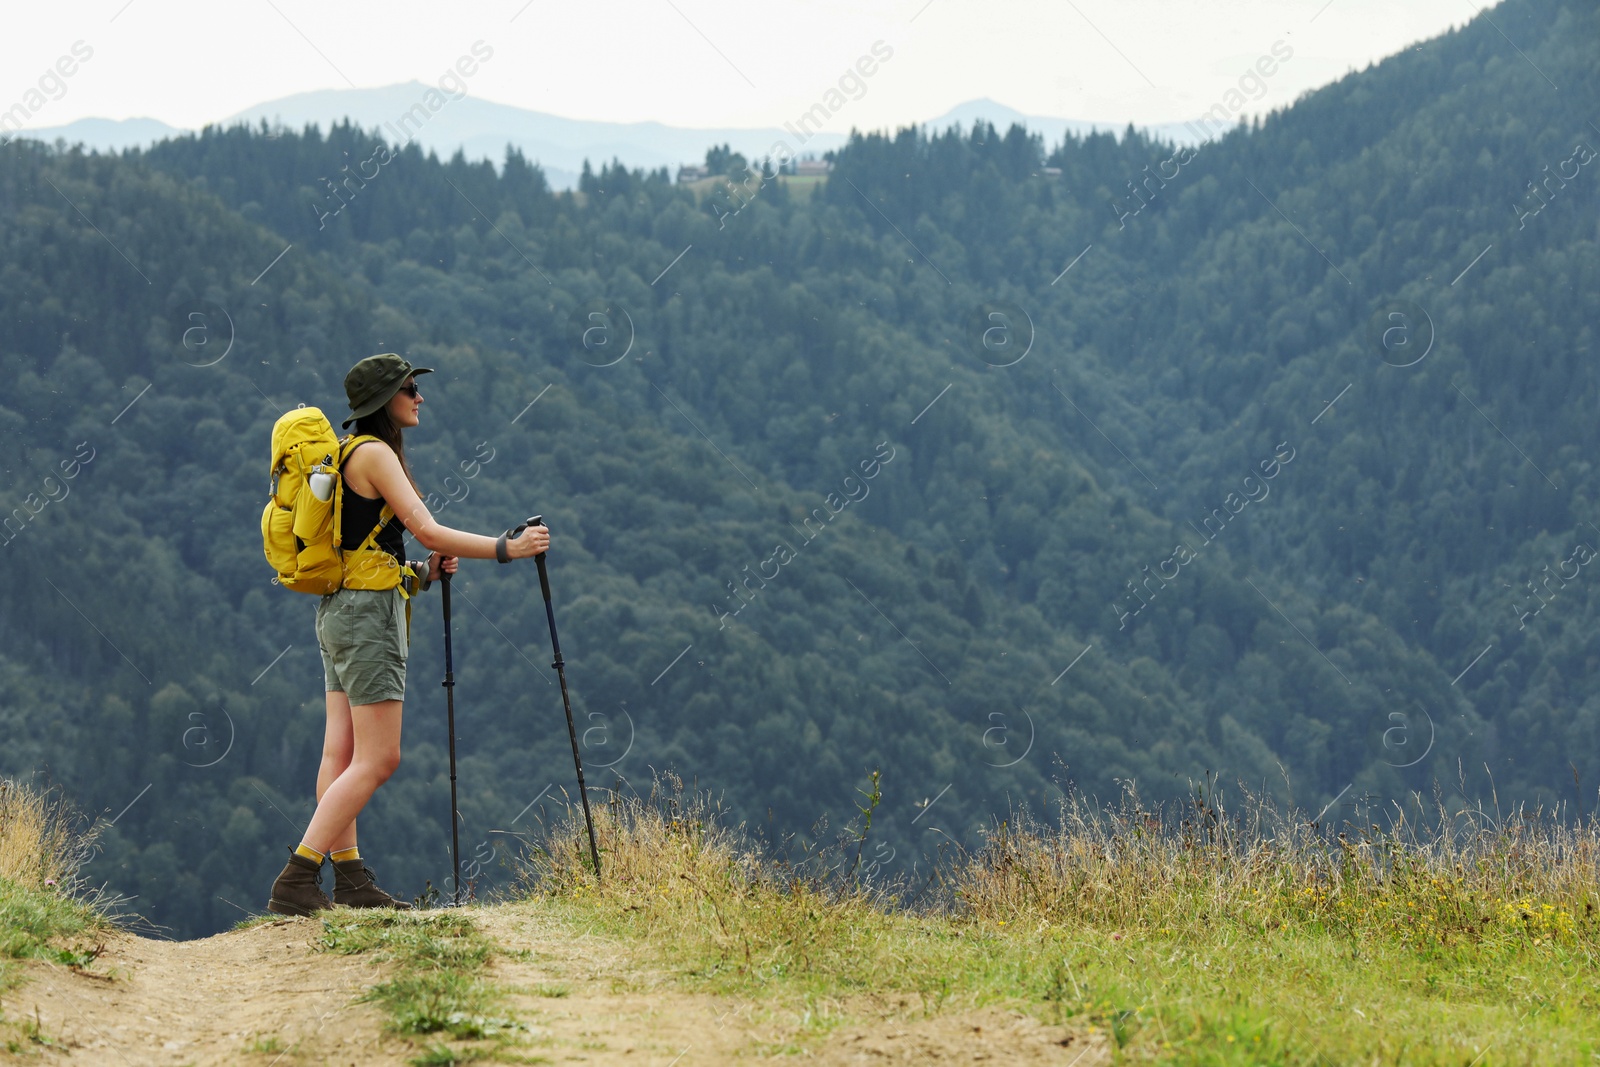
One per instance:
(300, 531)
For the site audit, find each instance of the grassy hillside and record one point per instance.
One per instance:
(1201, 934)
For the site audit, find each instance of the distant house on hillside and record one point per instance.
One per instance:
(690, 173)
(812, 168)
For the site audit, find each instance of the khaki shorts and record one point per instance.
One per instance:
(362, 635)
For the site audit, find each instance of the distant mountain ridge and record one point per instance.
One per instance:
(482, 129)
(106, 135)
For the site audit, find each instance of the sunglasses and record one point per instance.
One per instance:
(410, 389)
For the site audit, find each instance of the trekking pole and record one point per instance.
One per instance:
(566, 701)
(449, 684)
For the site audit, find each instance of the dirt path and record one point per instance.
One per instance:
(209, 1001)
(618, 1010)
(264, 997)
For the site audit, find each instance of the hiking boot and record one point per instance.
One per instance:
(298, 890)
(354, 887)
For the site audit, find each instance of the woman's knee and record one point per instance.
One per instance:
(382, 765)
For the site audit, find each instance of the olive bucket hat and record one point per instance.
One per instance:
(373, 382)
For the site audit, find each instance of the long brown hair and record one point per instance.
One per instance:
(381, 426)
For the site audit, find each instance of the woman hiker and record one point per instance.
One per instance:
(362, 634)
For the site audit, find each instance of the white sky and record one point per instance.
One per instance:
(703, 63)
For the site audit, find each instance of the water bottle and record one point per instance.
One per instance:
(321, 483)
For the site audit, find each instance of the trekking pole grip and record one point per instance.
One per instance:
(549, 609)
(544, 577)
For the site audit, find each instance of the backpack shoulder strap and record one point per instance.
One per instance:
(348, 444)
(346, 447)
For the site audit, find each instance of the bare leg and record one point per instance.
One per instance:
(338, 746)
(375, 753)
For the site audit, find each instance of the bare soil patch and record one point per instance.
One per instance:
(209, 1002)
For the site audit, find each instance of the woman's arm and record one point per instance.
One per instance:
(382, 467)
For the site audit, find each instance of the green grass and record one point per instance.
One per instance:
(269, 1045)
(1219, 940)
(40, 924)
(445, 1056)
(45, 924)
(26, 1036)
(436, 986)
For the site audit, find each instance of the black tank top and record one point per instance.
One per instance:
(361, 515)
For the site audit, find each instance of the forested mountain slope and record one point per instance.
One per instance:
(956, 467)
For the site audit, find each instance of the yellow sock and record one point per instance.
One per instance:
(345, 854)
(308, 852)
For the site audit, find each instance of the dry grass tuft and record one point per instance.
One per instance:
(42, 842)
(1428, 877)
(647, 844)
(672, 862)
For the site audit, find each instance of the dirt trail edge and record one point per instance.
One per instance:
(265, 997)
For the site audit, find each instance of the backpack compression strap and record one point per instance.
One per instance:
(383, 520)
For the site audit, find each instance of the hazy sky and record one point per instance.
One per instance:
(703, 62)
